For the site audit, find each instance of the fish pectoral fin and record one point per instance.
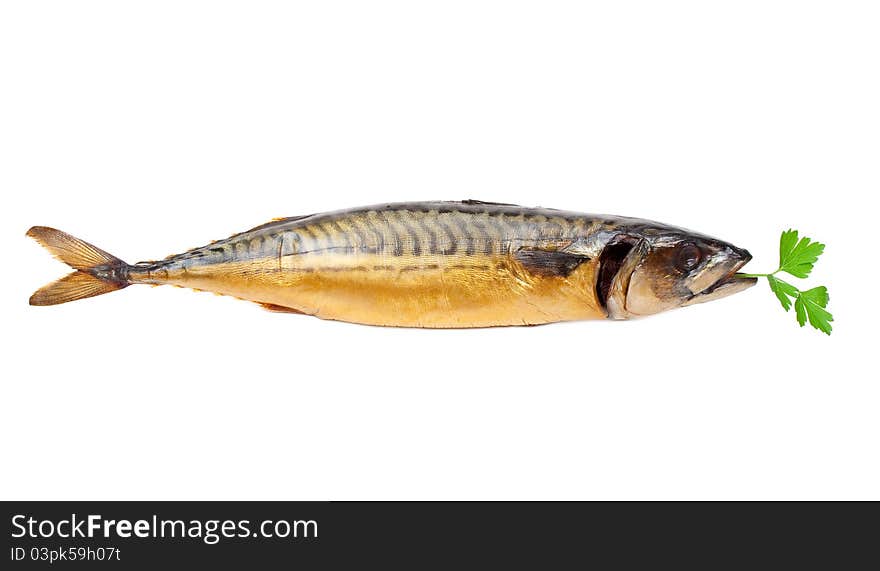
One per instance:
(549, 262)
(278, 308)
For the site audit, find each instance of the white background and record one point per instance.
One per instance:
(150, 128)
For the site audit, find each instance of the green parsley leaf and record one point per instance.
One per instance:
(798, 257)
(814, 302)
(783, 291)
(810, 305)
(800, 311)
(817, 295)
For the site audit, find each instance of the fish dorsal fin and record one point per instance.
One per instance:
(277, 221)
(549, 262)
(472, 202)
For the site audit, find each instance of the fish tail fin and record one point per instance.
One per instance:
(97, 272)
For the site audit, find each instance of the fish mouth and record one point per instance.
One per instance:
(729, 284)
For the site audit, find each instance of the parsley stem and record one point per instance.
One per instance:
(770, 275)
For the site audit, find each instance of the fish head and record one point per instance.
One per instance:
(664, 267)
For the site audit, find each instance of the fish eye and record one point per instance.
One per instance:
(689, 256)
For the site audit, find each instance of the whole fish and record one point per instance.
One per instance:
(432, 264)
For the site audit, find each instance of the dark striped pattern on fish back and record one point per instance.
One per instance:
(430, 229)
(404, 229)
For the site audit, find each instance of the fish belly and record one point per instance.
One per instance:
(469, 293)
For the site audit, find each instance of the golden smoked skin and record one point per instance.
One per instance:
(439, 265)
